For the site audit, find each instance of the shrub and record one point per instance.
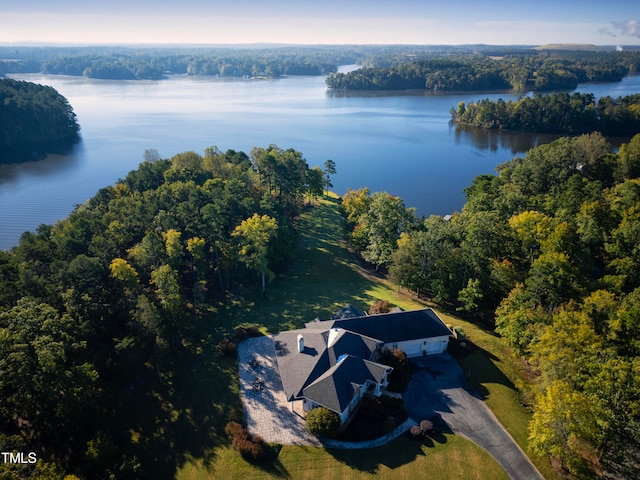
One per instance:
(253, 331)
(239, 334)
(227, 347)
(388, 424)
(392, 403)
(371, 407)
(234, 429)
(426, 426)
(381, 306)
(459, 333)
(401, 374)
(323, 422)
(250, 448)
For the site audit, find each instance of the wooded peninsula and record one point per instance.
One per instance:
(34, 120)
(526, 70)
(554, 113)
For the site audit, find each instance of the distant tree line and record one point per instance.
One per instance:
(154, 63)
(552, 245)
(539, 71)
(33, 117)
(153, 68)
(392, 67)
(101, 315)
(555, 113)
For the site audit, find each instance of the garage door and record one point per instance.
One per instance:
(413, 350)
(434, 347)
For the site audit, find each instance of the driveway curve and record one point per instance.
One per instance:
(439, 388)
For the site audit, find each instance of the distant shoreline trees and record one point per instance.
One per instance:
(157, 63)
(554, 113)
(532, 71)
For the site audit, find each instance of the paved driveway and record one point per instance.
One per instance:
(439, 388)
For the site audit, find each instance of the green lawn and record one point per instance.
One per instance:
(321, 278)
(453, 459)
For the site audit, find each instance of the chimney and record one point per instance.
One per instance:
(300, 343)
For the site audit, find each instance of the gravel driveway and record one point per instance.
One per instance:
(439, 388)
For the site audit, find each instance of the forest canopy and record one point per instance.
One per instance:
(33, 116)
(384, 67)
(551, 244)
(100, 312)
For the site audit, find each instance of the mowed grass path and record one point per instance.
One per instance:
(321, 278)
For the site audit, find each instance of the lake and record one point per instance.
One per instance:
(402, 144)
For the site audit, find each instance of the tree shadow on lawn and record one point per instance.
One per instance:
(274, 468)
(480, 368)
(320, 278)
(291, 301)
(399, 452)
(160, 427)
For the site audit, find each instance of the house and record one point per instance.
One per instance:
(415, 332)
(333, 363)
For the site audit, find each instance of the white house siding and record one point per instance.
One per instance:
(437, 345)
(344, 416)
(415, 348)
(308, 405)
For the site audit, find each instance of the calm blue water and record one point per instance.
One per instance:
(400, 144)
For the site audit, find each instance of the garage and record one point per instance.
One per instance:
(434, 347)
(411, 349)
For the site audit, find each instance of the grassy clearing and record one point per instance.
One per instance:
(321, 279)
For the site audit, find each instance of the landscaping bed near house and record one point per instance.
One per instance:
(376, 416)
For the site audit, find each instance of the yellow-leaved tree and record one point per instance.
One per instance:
(254, 235)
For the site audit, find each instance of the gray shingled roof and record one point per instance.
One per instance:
(311, 372)
(337, 386)
(394, 326)
(322, 350)
(342, 342)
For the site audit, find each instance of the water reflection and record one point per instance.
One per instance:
(495, 140)
(53, 164)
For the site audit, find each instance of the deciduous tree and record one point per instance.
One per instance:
(253, 236)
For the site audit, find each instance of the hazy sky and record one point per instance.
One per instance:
(601, 22)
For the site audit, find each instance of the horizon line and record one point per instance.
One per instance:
(294, 44)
